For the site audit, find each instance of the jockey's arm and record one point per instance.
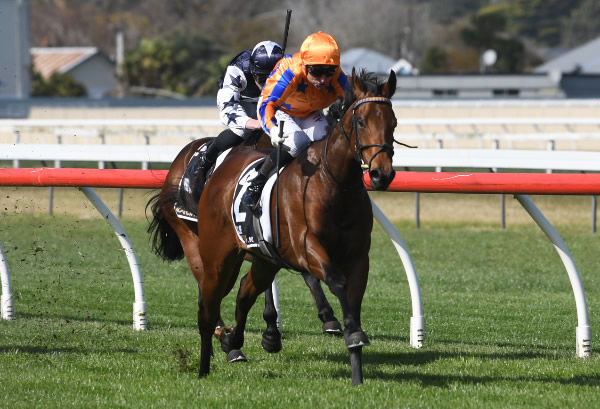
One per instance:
(253, 124)
(231, 112)
(273, 96)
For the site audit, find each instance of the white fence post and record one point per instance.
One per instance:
(6, 300)
(583, 337)
(417, 321)
(139, 306)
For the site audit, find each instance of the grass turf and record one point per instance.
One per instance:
(499, 309)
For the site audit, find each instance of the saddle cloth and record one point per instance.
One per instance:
(192, 184)
(252, 229)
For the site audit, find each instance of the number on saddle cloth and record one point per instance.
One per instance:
(254, 227)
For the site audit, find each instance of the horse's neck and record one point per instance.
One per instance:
(344, 168)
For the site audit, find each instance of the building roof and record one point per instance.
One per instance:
(371, 60)
(584, 59)
(48, 60)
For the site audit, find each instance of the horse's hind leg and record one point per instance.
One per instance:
(206, 330)
(213, 285)
(258, 279)
(330, 324)
(220, 326)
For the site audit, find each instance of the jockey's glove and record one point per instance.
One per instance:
(275, 138)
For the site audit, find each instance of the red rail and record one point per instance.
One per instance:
(435, 182)
(133, 178)
(525, 183)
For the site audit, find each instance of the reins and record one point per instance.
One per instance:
(358, 148)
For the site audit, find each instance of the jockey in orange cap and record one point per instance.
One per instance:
(296, 92)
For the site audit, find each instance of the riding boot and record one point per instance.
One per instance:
(206, 158)
(252, 195)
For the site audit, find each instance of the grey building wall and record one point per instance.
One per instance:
(15, 59)
(97, 74)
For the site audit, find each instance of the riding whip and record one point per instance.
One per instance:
(288, 17)
(277, 233)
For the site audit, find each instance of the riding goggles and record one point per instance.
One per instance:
(320, 70)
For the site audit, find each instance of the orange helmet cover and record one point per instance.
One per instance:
(320, 49)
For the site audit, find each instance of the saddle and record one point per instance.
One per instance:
(192, 184)
(252, 227)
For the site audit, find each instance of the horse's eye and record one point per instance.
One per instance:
(360, 123)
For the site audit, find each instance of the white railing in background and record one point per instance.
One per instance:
(142, 154)
(403, 157)
(178, 131)
(493, 159)
(107, 131)
(499, 130)
(498, 103)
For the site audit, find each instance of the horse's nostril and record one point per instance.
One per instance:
(380, 180)
(375, 174)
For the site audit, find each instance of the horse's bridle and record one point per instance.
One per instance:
(358, 148)
(383, 147)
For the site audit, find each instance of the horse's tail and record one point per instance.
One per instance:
(165, 242)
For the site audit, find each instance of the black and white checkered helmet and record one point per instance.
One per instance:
(264, 57)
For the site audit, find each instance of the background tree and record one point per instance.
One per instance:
(184, 63)
(397, 28)
(541, 19)
(435, 61)
(488, 31)
(582, 24)
(57, 85)
(447, 12)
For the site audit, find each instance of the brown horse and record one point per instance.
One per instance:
(170, 250)
(325, 221)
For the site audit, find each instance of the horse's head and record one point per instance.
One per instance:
(372, 126)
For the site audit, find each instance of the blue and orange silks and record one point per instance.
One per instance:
(288, 89)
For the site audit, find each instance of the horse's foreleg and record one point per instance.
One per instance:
(330, 324)
(271, 338)
(350, 290)
(356, 365)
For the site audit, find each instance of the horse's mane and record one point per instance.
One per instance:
(337, 110)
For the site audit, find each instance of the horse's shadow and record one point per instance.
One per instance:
(28, 315)
(376, 366)
(51, 350)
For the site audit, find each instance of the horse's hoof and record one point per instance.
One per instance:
(224, 330)
(236, 355)
(271, 344)
(332, 327)
(357, 339)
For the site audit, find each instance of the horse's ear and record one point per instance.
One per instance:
(359, 88)
(390, 86)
